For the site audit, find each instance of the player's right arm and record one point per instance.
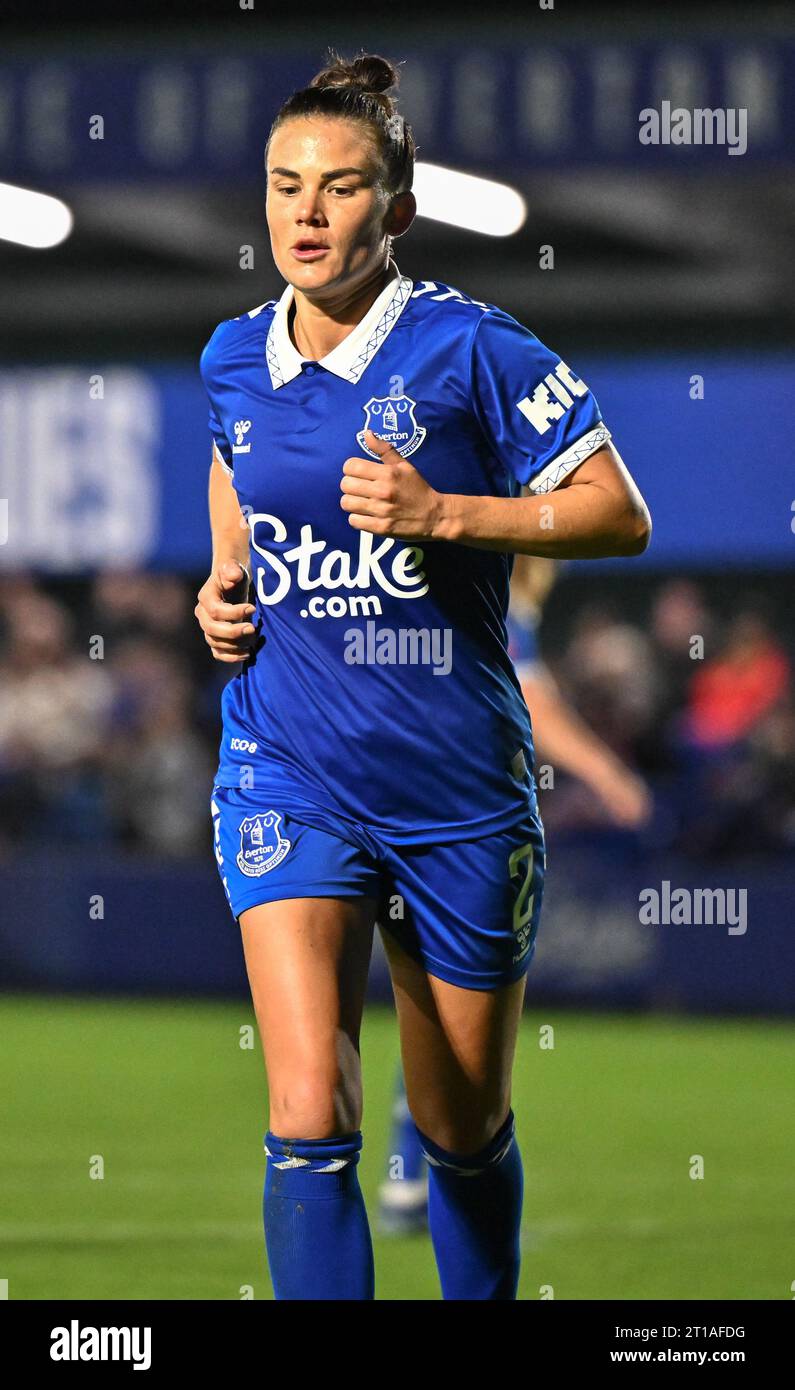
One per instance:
(563, 739)
(223, 612)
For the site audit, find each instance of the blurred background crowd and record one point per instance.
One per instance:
(109, 711)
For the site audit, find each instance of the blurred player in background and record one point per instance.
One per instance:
(562, 739)
(376, 433)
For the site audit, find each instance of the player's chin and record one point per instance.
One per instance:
(323, 270)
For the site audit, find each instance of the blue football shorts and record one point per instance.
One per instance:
(467, 910)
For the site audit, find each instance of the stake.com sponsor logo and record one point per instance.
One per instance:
(383, 564)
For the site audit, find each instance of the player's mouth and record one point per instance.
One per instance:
(309, 250)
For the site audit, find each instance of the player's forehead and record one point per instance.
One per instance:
(313, 146)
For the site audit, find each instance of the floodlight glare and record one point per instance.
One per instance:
(33, 219)
(464, 200)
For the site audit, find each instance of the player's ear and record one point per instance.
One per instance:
(400, 214)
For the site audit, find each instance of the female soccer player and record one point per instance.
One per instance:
(372, 437)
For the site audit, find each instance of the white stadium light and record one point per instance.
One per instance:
(33, 219)
(463, 200)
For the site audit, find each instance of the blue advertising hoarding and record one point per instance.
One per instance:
(106, 467)
(593, 948)
(202, 113)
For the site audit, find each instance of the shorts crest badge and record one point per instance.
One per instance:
(392, 417)
(262, 847)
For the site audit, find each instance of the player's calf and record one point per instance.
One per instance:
(316, 1231)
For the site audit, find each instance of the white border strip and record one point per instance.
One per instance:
(218, 456)
(556, 471)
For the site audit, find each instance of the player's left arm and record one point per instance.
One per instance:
(595, 511)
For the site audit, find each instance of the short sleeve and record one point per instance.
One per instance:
(223, 448)
(222, 445)
(540, 419)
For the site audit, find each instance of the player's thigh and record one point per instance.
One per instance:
(459, 952)
(307, 961)
(303, 898)
(458, 1048)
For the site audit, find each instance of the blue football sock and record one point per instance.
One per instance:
(404, 1141)
(403, 1194)
(474, 1213)
(316, 1230)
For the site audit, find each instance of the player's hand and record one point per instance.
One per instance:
(223, 613)
(625, 796)
(389, 497)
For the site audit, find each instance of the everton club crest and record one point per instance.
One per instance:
(392, 417)
(261, 845)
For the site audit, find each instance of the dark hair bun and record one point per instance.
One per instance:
(369, 72)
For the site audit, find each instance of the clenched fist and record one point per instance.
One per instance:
(389, 498)
(223, 612)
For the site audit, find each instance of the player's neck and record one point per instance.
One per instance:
(317, 328)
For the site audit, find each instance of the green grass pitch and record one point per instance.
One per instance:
(609, 1121)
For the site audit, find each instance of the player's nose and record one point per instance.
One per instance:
(311, 219)
(308, 210)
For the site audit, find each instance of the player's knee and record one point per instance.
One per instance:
(462, 1158)
(319, 1103)
(462, 1133)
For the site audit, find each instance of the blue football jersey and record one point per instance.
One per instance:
(522, 626)
(382, 691)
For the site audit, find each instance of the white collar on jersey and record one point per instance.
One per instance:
(350, 357)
